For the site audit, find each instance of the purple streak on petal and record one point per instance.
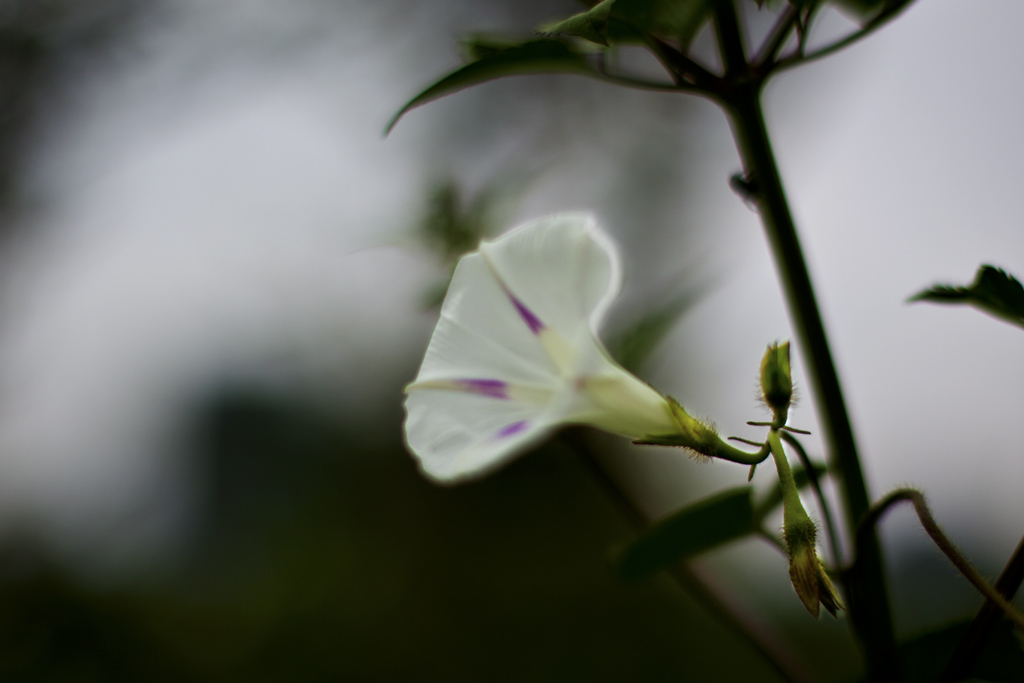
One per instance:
(528, 316)
(511, 429)
(494, 388)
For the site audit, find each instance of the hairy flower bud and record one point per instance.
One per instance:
(776, 380)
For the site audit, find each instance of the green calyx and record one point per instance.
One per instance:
(701, 438)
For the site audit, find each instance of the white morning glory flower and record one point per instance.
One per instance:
(516, 354)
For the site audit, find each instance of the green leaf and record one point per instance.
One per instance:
(873, 8)
(925, 657)
(679, 20)
(693, 530)
(993, 291)
(591, 25)
(628, 21)
(861, 8)
(532, 57)
(635, 344)
(774, 496)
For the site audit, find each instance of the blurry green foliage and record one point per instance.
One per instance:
(697, 528)
(455, 221)
(702, 526)
(451, 227)
(640, 338)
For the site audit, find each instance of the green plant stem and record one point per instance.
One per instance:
(970, 647)
(916, 498)
(865, 589)
(770, 650)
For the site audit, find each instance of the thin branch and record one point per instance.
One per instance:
(681, 64)
(770, 650)
(800, 57)
(879, 509)
(826, 512)
(643, 84)
(967, 653)
(803, 31)
(602, 73)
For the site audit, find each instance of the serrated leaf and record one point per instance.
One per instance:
(993, 291)
(924, 658)
(532, 57)
(774, 496)
(695, 529)
(867, 8)
(591, 25)
(679, 20)
(635, 344)
(628, 21)
(861, 8)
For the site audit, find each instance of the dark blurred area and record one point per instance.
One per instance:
(323, 559)
(45, 45)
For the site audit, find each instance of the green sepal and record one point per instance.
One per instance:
(993, 291)
(695, 529)
(497, 61)
(701, 438)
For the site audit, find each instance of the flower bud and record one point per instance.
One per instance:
(776, 381)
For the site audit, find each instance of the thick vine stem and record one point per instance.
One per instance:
(915, 497)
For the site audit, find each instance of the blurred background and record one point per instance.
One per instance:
(216, 275)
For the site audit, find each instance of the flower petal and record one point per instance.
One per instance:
(463, 434)
(515, 349)
(562, 269)
(481, 334)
